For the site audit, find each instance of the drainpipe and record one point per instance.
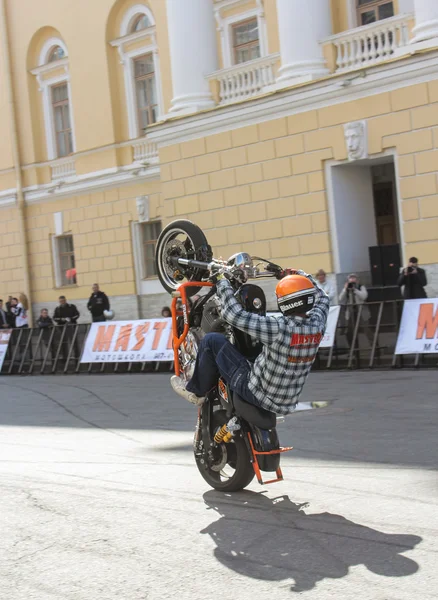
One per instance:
(15, 152)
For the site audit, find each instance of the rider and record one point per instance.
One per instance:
(290, 343)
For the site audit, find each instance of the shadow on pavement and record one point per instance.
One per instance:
(277, 540)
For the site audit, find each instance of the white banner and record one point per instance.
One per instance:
(5, 336)
(329, 337)
(418, 332)
(148, 340)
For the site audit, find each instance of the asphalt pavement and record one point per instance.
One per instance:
(100, 498)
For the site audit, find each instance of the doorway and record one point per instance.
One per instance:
(363, 213)
(385, 204)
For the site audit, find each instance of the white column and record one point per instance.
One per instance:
(301, 27)
(193, 53)
(426, 20)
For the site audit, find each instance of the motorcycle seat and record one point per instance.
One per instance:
(254, 414)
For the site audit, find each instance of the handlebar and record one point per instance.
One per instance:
(272, 270)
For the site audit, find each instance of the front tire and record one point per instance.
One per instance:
(238, 471)
(181, 239)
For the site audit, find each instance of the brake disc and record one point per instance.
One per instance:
(172, 249)
(218, 466)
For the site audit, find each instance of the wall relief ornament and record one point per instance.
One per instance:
(142, 208)
(356, 140)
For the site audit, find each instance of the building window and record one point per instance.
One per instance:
(61, 120)
(144, 99)
(145, 91)
(370, 11)
(53, 78)
(65, 260)
(56, 53)
(139, 23)
(149, 233)
(246, 43)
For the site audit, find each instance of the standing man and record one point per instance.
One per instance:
(97, 304)
(414, 280)
(3, 319)
(354, 294)
(67, 314)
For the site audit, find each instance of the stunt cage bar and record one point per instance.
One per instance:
(57, 350)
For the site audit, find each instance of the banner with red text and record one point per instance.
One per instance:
(148, 340)
(418, 332)
(5, 336)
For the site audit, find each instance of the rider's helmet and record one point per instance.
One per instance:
(108, 314)
(295, 295)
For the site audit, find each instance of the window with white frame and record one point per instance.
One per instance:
(370, 11)
(150, 230)
(56, 98)
(141, 69)
(243, 36)
(61, 120)
(246, 42)
(145, 91)
(64, 260)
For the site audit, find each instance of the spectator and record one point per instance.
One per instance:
(3, 318)
(413, 280)
(97, 304)
(353, 295)
(12, 311)
(325, 285)
(21, 320)
(45, 323)
(67, 314)
(166, 312)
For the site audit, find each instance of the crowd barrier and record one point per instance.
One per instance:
(367, 339)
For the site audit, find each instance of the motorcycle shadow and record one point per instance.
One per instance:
(276, 540)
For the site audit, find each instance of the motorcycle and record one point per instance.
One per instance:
(234, 440)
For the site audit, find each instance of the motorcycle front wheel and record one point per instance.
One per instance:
(181, 239)
(230, 470)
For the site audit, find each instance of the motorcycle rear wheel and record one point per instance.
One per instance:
(181, 239)
(239, 473)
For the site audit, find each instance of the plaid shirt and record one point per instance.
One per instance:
(290, 345)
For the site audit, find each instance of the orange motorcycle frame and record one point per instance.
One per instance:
(181, 294)
(178, 340)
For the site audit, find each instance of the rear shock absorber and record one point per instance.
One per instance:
(226, 432)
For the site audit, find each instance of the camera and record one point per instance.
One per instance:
(351, 285)
(410, 269)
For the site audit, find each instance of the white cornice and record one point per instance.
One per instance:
(83, 184)
(299, 99)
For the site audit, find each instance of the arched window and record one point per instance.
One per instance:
(56, 53)
(139, 23)
(141, 66)
(56, 95)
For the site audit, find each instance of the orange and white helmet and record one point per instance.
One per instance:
(295, 295)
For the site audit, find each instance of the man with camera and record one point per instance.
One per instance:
(414, 280)
(354, 294)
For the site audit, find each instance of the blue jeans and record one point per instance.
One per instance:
(216, 356)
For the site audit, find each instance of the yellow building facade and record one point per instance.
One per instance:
(304, 132)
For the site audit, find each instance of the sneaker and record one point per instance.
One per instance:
(179, 387)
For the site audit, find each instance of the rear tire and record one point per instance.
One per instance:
(193, 245)
(237, 454)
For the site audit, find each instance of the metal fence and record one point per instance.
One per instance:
(365, 340)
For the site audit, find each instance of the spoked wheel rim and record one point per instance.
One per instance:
(176, 243)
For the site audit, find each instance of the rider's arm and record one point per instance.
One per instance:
(264, 329)
(321, 306)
